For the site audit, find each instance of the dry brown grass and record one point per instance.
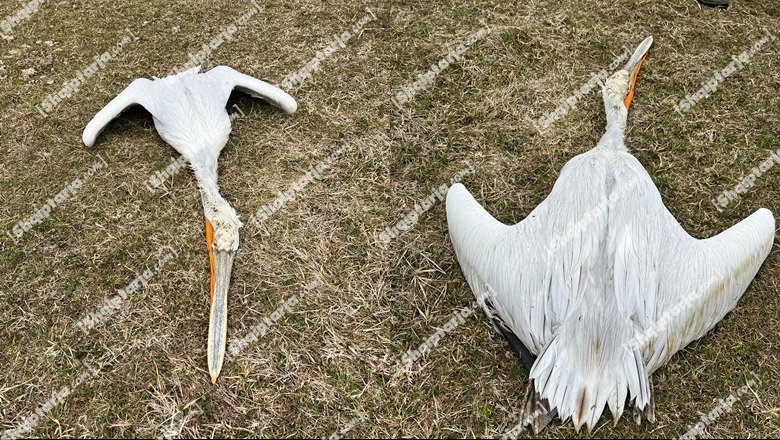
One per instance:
(332, 358)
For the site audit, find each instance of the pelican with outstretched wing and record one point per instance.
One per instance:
(189, 113)
(599, 286)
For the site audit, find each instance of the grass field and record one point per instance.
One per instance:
(328, 365)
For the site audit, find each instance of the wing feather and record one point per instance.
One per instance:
(136, 93)
(675, 287)
(703, 281)
(533, 271)
(582, 277)
(255, 87)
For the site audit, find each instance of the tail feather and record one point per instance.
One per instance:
(578, 391)
(617, 400)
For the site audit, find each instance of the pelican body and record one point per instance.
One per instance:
(189, 114)
(599, 286)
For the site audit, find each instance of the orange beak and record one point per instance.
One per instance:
(634, 75)
(633, 66)
(209, 241)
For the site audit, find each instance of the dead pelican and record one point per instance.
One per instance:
(600, 283)
(189, 113)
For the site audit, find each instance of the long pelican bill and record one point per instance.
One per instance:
(634, 65)
(221, 263)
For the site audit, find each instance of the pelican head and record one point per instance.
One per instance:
(619, 93)
(631, 69)
(189, 114)
(222, 225)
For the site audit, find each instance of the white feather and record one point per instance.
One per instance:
(579, 308)
(189, 113)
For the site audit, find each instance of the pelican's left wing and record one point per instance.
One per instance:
(676, 288)
(136, 93)
(255, 87)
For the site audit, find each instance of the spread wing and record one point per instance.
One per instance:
(531, 272)
(136, 93)
(674, 287)
(254, 87)
(593, 268)
(143, 92)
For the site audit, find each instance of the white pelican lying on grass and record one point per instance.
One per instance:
(600, 282)
(189, 114)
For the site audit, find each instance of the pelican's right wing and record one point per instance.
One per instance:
(254, 87)
(135, 93)
(481, 245)
(528, 276)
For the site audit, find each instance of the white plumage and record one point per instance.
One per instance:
(600, 282)
(189, 113)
